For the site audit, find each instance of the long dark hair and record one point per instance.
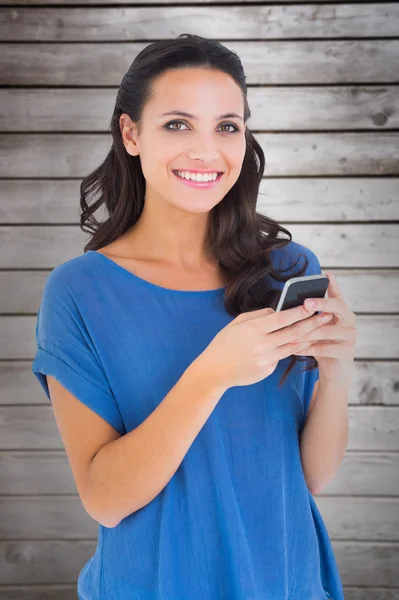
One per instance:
(238, 237)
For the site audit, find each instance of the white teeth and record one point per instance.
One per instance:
(197, 176)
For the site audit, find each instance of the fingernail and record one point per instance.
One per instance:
(310, 303)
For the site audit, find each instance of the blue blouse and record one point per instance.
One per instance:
(237, 520)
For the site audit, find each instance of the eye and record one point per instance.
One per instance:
(173, 123)
(230, 125)
(235, 129)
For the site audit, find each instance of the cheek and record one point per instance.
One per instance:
(155, 166)
(236, 153)
(236, 162)
(243, 149)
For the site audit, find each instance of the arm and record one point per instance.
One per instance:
(324, 437)
(127, 473)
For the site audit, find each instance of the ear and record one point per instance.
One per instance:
(127, 129)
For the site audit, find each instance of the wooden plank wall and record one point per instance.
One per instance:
(324, 92)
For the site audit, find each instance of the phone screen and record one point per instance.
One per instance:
(297, 289)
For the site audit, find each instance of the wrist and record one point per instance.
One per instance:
(206, 377)
(342, 382)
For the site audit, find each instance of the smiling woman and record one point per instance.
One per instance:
(198, 487)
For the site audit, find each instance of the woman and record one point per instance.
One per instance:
(181, 424)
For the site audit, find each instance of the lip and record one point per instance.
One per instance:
(200, 184)
(199, 170)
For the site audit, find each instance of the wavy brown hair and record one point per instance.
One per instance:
(238, 237)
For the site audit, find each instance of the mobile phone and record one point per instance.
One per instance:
(297, 289)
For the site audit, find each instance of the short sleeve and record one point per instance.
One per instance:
(65, 351)
(311, 376)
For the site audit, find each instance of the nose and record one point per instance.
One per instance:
(205, 149)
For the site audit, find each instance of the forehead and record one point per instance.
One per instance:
(191, 90)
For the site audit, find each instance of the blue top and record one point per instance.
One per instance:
(236, 521)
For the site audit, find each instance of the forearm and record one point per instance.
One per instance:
(129, 472)
(324, 438)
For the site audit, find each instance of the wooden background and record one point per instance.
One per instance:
(324, 92)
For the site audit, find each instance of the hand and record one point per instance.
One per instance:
(249, 348)
(335, 349)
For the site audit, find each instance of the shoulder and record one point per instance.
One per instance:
(65, 280)
(292, 256)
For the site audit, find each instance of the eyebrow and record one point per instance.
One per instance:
(190, 116)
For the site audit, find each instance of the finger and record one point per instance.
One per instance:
(331, 332)
(296, 332)
(328, 350)
(284, 318)
(331, 305)
(288, 349)
(333, 286)
(333, 290)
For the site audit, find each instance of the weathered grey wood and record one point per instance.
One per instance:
(324, 199)
(372, 428)
(288, 108)
(341, 245)
(56, 517)
(367, 563)
(232, 22)
(75, 155)
(22, 290)
(44, 472)
(48, 472)
(29, 427)
(41, 592)
(38, 517)
(16, 384)
(264, 62)
(371, 593)
(41, 562)
(149, 2)
(374, 153)
(285, 200)
(359, 518)
(52, 201)
(366, 474)
(373, 383)
(353, 246)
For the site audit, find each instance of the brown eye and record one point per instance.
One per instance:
(173, 123)
(230, 125)
(169, 128)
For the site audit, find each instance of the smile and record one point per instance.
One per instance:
(199, 184)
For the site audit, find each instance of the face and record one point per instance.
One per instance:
(204, 142)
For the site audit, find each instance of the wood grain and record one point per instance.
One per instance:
(241, 22)
(265, 62)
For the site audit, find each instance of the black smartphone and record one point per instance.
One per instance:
(297, 289)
